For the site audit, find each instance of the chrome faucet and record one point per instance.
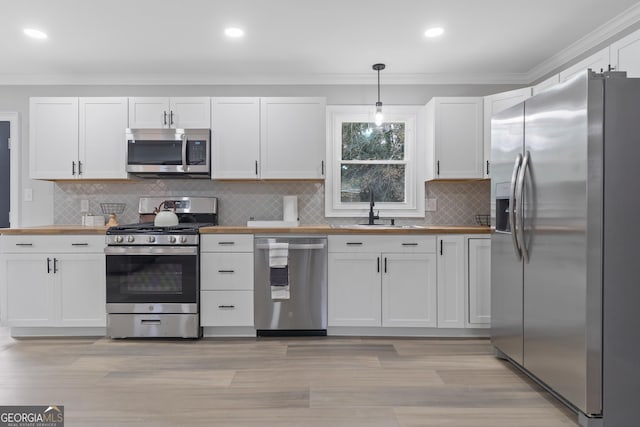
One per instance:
(372, 203)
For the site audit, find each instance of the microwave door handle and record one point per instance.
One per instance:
(184, 153)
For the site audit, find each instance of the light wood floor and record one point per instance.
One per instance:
(267, 382)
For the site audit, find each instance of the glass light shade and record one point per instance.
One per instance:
(378, 119)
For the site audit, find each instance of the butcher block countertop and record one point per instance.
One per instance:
(303, 229)
(55, 229)
(344, 229)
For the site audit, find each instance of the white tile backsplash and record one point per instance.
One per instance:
(457, 203)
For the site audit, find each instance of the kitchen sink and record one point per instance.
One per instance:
(377, 226)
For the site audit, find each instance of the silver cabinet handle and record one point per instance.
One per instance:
(48, 265)
(79, 168)
(226, 271)
(520, 222)
(24, 244)
(513, 223)
(378, 264)
(256, 167)
(409, 244)
(227, 307)
(55, 265)
(487, 167)
(79, 244)
(438, 167)
(354, 243)
(164, 118)
(73, 168)
(322, 167)
(171, 118)
(226, 243)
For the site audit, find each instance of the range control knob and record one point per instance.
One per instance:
(151, 239)
(172, 239)
(131, 239)
(183, 239)
(119, 239)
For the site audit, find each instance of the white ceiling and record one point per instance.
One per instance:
(300, 41)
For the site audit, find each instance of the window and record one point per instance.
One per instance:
(367, 161)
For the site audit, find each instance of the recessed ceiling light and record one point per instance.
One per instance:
(234, 32)
(434, 32)
(36, 34)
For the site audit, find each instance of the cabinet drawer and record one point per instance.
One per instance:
(226, 243)
(52, 244)
(226, 308)
(379, 243)
(227, 271)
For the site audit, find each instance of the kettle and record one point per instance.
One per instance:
(166, 217)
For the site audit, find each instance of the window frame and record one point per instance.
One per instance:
(414, 158)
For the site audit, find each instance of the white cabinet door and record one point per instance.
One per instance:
(81, 288)
(292, 138)
(598, 62)
(625, 54)
(455, 138)
(102, 145)
(190, 113)
(235, 138)
(494, 104)
(451, 303)
(479, 285)
(409, 290)
(149, 113)
(354, 290)
(546, 84)
(53, 138)
(28, 290)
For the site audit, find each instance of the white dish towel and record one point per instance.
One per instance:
(279, 270)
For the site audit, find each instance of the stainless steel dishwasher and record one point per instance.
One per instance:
(303, 311)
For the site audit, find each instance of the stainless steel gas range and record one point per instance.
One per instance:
(153, 273)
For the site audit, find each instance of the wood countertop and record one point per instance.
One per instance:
(55, 229)
(303, 229)
(327, 229)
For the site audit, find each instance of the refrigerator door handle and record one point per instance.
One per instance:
(513, 220)
(520, 186)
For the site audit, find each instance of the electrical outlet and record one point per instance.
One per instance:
(84, 205)
(27, 195)
(430, 205)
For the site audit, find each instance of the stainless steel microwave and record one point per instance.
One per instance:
(169, 153)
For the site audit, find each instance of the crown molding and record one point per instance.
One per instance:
(602, 34)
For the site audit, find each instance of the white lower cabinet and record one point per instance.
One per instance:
(53, 281)
(451, 301)
(479, 281)
(382, 281)
(226, 280)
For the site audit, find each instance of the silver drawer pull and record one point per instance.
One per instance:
(226, 243)
(226, 271)
(150, 321)
(354, 243)
(226, 307)
(409, 244)
(24, 244)
(79, 244)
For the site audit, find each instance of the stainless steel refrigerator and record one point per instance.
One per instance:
(565, 264)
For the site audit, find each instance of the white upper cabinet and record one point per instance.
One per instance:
(159, 112)
(102, 148)
(292, 138)
(72, 138)
(268, 138)
(494, 104)
(53, 138)
(235, 138)
(625, 55)
(454, 138)
(598, 62)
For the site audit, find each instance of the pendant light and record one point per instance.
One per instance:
(379, 117)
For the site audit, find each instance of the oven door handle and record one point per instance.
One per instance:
(151, 250)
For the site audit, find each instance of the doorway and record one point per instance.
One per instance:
(5, 174)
